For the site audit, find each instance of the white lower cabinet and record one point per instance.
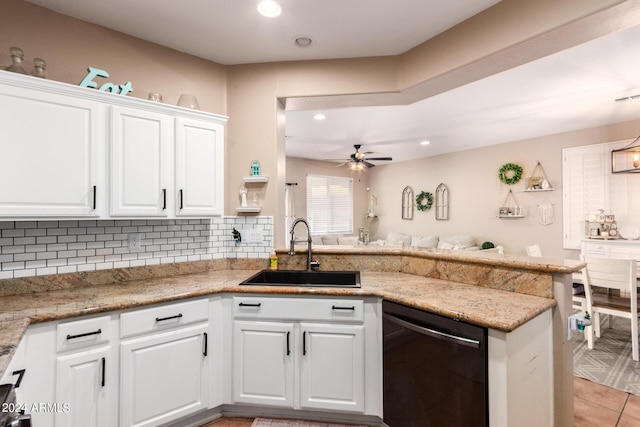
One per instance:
(288, 362)
(157, 365)
(84, 390)
(332, 367)
(34, 367)
(164, 377)
(164, 373)
(263, 363)
(87, 372)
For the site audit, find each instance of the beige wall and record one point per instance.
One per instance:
(475, 193)
(253, 96)
(69, 46)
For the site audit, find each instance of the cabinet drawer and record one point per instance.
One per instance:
(326, 309)
(159, 318)
(83, 333)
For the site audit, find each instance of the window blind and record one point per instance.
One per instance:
(330, 204)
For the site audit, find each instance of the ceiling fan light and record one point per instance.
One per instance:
(355, 166)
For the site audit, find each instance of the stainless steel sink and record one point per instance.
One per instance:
(335, 279)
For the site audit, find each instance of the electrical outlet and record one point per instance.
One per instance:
(135, 242)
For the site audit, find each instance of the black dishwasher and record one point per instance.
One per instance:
(435, 370)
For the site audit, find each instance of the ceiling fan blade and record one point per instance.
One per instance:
(367, 164)
(379, 158)
(342, 164)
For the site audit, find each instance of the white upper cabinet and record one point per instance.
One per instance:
(199, 167)
(140, 167)
(72, 152)
(50, 150)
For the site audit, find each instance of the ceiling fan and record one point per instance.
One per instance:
(359, 160)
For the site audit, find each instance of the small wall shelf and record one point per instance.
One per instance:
(249, 209)
(538, 180)
(536, 190)
(510, 208)
(255, 179)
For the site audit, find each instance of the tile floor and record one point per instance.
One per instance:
(595, 406)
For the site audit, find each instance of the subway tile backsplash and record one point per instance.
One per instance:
(36, 248)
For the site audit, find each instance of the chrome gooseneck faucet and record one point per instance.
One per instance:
(294, 241)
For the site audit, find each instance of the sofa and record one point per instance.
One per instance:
(456, 242)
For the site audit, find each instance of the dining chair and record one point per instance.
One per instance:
(618, 277)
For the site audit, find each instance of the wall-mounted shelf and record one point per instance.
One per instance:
(536, 190)
(510, 208)
(255, 179)
(249, 209)
(538, 180)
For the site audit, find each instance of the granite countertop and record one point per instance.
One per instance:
(493, 259)
(496, 309)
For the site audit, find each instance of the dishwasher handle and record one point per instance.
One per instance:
(432, 332)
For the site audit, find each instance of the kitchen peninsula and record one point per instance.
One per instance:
(500, 292)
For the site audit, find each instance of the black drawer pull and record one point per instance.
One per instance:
(160, 319)
(246, 304)
(336, 307)
(70, 337)
(164, 198)
(180, 199)
(20, 373)
(206, 344)
(288, 347)
(95, 190)
(304, 343)
(104, 370)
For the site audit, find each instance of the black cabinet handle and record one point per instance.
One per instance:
(160, 319)
(164, 198)
(95, 191)
(288, 347)
(336, 307)
(104, 370)
(70, 337)
(304, 343)
(206, 344)
(246, 304)
(20, 373)
(180, 199)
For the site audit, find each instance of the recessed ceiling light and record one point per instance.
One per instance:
(269, 9)
(303, 41)
(425, 142)
(319, 116)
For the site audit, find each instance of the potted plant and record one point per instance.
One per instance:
(583, 321)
